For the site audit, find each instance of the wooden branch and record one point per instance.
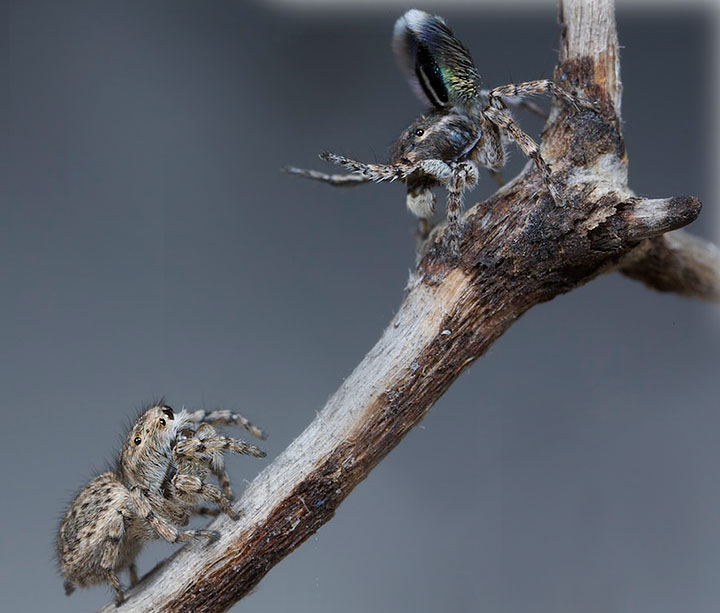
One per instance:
(518, 249)
(677, 262)
(589, 31)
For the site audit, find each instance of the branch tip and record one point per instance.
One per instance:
(649, 217)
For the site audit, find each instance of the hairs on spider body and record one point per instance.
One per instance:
(157, 485)
(465, 130)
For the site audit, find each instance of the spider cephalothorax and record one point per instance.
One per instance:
(466, 128)
(438, 135)
(159, 482)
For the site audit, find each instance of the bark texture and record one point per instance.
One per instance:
(518, 249)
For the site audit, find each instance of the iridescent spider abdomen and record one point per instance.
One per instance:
(159, 483)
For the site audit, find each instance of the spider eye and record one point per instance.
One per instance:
(419, 132)
(168, 412)
(185, 434)
(162, 421)
(137, 440)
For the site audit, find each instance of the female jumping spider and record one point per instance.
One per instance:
(157, 485)
(467, 127)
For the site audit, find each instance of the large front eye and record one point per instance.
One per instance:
(137, 440)
(162, 421)
(186, 434)
(419, 132)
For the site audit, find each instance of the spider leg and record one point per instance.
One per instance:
(463, 175)
(454, 208)
(438, 170)
(335, 180)
(110, 553)
(228, 418)
(132, 569)
(115, 584)
(420, 200)
(205, 430)
(528, 146)
(162, 527)
(491, 152)
(224, 481)
(531, 88)
(190, 484)
(194, 447)
(371, 172)
(497, 177)
(518, 103)
(217, 466)
(423, 228)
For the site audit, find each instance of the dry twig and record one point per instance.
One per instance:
(518, 250)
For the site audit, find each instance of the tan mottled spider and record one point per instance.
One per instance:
(158, 484)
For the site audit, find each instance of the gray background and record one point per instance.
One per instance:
(149, 246)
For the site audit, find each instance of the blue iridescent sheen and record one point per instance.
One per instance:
(437, 65)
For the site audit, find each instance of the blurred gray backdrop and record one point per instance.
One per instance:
(149, 246)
